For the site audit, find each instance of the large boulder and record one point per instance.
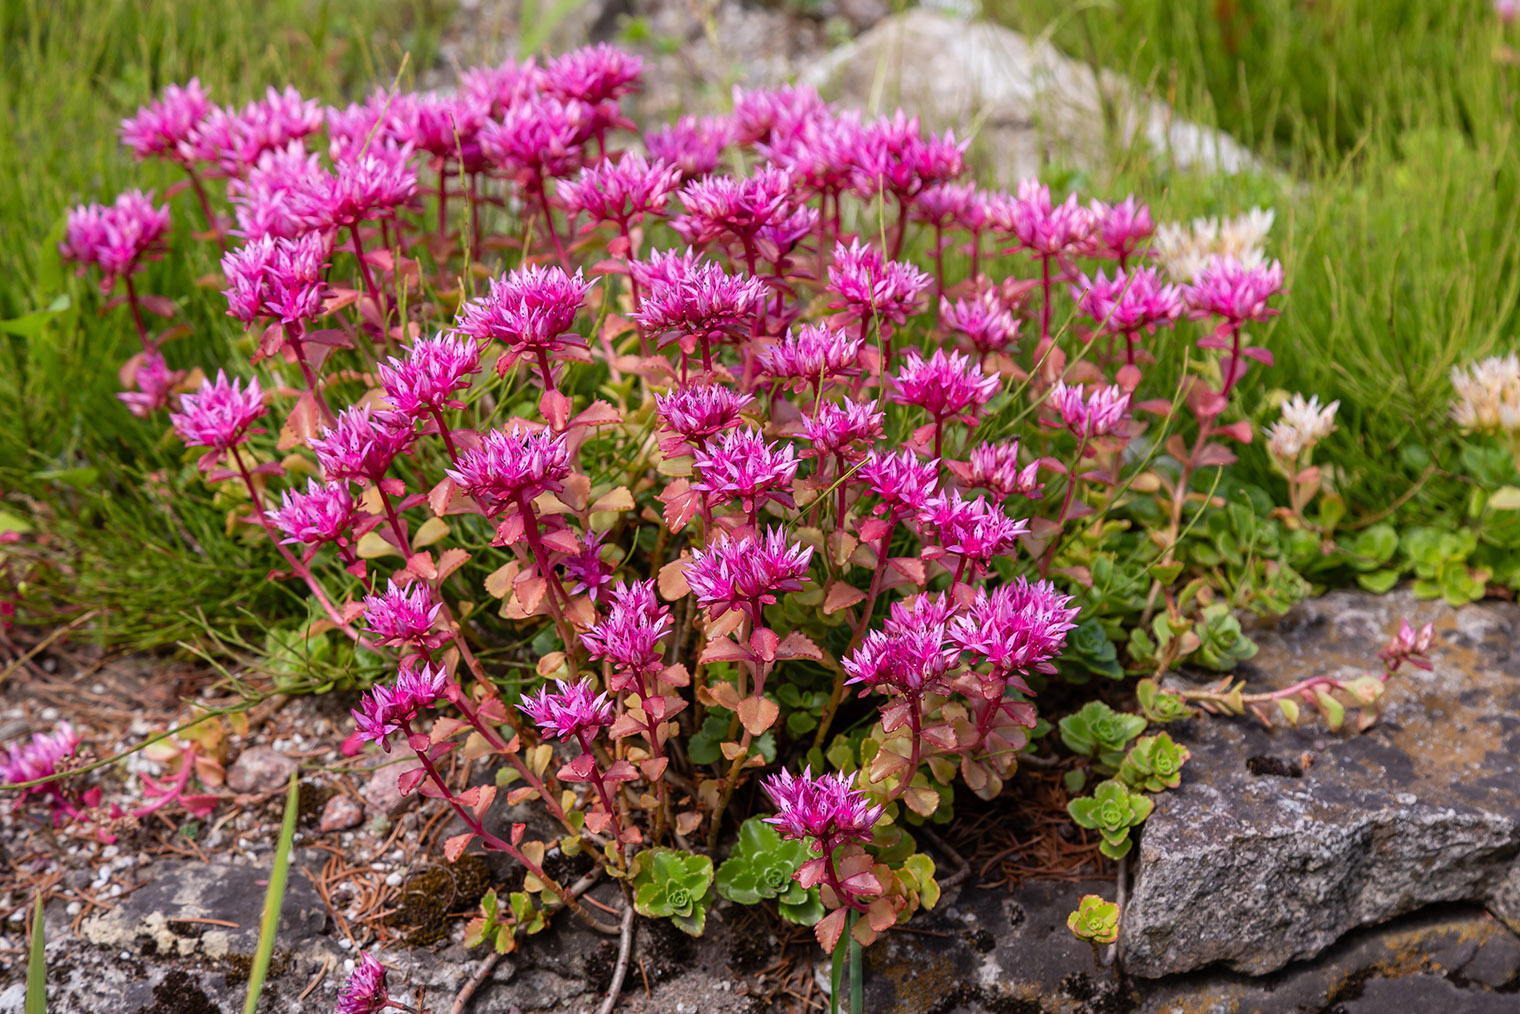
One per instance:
(1252, 870)
(1033, 103)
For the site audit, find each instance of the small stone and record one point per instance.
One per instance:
(341, 813)
(259, 769)
(382, 796)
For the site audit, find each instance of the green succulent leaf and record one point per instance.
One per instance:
(1095, 920)
(1154, 764)
(762, 865)
(1100, 732)
(1160, 706)
(1112, 810)
(676, 885)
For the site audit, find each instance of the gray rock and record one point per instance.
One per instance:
(168, 917)
(1257, 871)
(341, 813)
(259, 769)
(1035, 104)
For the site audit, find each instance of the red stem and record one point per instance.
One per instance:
(369, 281)
(137, 317)
(295, 565)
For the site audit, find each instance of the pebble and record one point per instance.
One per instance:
(341, 813)
(382, 795)
(73, 908)
(394, 880)
(259, 769)
(346, 944)
(49, 714)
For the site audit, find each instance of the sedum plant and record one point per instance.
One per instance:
(763, 866)
(1095, 921)
(1153, 764)
(1100, 732)
(769, 448)
(1112, 810)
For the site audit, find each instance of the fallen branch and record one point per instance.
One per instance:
(468, 990)
(625, 947)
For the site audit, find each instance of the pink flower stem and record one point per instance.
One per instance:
(1045, 307)
(448, 440)
(443, 198)
(939, 264)
(976, 252)
(295, 565)
(147, 343)
(200, 195)
(559, 600)
(915, 745)
(843, 487)
(1071, 488)
(369, 281)
(831, 877)
(543, 368)
(494, 843)
(836, 696)
(600, 782)
(1235, 371)
(492, 737)
(902, 227)
(397, 532)
(293, 335)
(731, 782)
(543, 203)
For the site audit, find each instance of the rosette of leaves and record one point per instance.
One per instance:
(1154, 764)
(501, 925)
(1161, 706)
(1100, 732)
(1095, 920)
(1111, 810)
(1091, 649)
(1441, 565)
(1222, 644)
(674, 885)
(764, 865)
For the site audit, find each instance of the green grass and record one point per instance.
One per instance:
(134, 531)
(1387, 127)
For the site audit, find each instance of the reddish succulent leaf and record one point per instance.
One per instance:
(829, 928)
(723, 649)
(451, 560)
(725, 695)
(455, 846)
(409, 779)
(841, 595)
(798, 645)
(672, 579)
(758, 714)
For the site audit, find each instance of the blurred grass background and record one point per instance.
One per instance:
(138, 535)
(1388, 125)
(1391, 124)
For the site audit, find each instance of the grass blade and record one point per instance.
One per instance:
(274, 899)
(36, 966)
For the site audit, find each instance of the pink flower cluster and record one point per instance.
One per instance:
(117, 237)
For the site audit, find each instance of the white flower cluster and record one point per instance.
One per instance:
(1184, 249)
(1303, 424)
(1488, 395)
